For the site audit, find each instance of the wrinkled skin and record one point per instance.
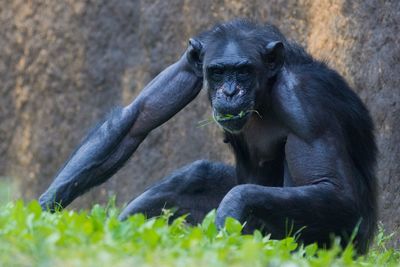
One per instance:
(303, 141)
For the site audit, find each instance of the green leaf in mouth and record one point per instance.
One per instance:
(240, 115)
(219, 117)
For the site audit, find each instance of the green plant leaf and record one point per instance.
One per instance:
(232, 226)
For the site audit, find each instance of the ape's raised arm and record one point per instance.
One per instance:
(108, 147)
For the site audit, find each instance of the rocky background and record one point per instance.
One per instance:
(65, 63)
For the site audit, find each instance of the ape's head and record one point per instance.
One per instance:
(237, 59)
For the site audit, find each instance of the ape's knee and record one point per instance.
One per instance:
(217, 172)
(202, 176)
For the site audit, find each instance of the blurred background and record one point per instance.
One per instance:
(65, 63)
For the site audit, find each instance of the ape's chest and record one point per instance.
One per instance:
(260, 153)
(264, 139)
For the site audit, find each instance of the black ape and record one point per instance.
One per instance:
(303, 140)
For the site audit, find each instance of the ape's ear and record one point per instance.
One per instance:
(274, 56)
(194, 55)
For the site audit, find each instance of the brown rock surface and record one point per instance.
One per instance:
(65, 64)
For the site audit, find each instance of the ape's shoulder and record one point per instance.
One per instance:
(288, 102)
(313, 98)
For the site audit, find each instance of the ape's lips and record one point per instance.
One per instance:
(229, 117)
(232, 122)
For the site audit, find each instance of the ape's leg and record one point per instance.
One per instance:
(320, 208)
(195, 189)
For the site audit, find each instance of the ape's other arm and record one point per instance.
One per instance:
(322, 201)
(108, 147)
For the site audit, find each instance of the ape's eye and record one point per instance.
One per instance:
(243, 72)
(216, 73)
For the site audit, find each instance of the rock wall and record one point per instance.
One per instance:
(65, 64)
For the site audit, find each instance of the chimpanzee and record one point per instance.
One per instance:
(303, 141)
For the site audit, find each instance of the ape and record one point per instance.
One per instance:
(303, 141)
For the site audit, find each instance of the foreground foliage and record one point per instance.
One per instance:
(30, 237)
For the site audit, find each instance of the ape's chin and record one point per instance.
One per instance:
(234, 127)
(232, 123)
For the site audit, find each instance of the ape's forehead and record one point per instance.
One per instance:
(229, 52)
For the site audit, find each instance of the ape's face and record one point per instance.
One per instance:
(235, 72)
(231, 77)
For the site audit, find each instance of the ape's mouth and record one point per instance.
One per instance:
(230, 117)
(232, 123)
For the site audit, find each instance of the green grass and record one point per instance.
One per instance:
(30, 237)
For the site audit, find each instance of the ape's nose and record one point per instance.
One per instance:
(230, 89)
